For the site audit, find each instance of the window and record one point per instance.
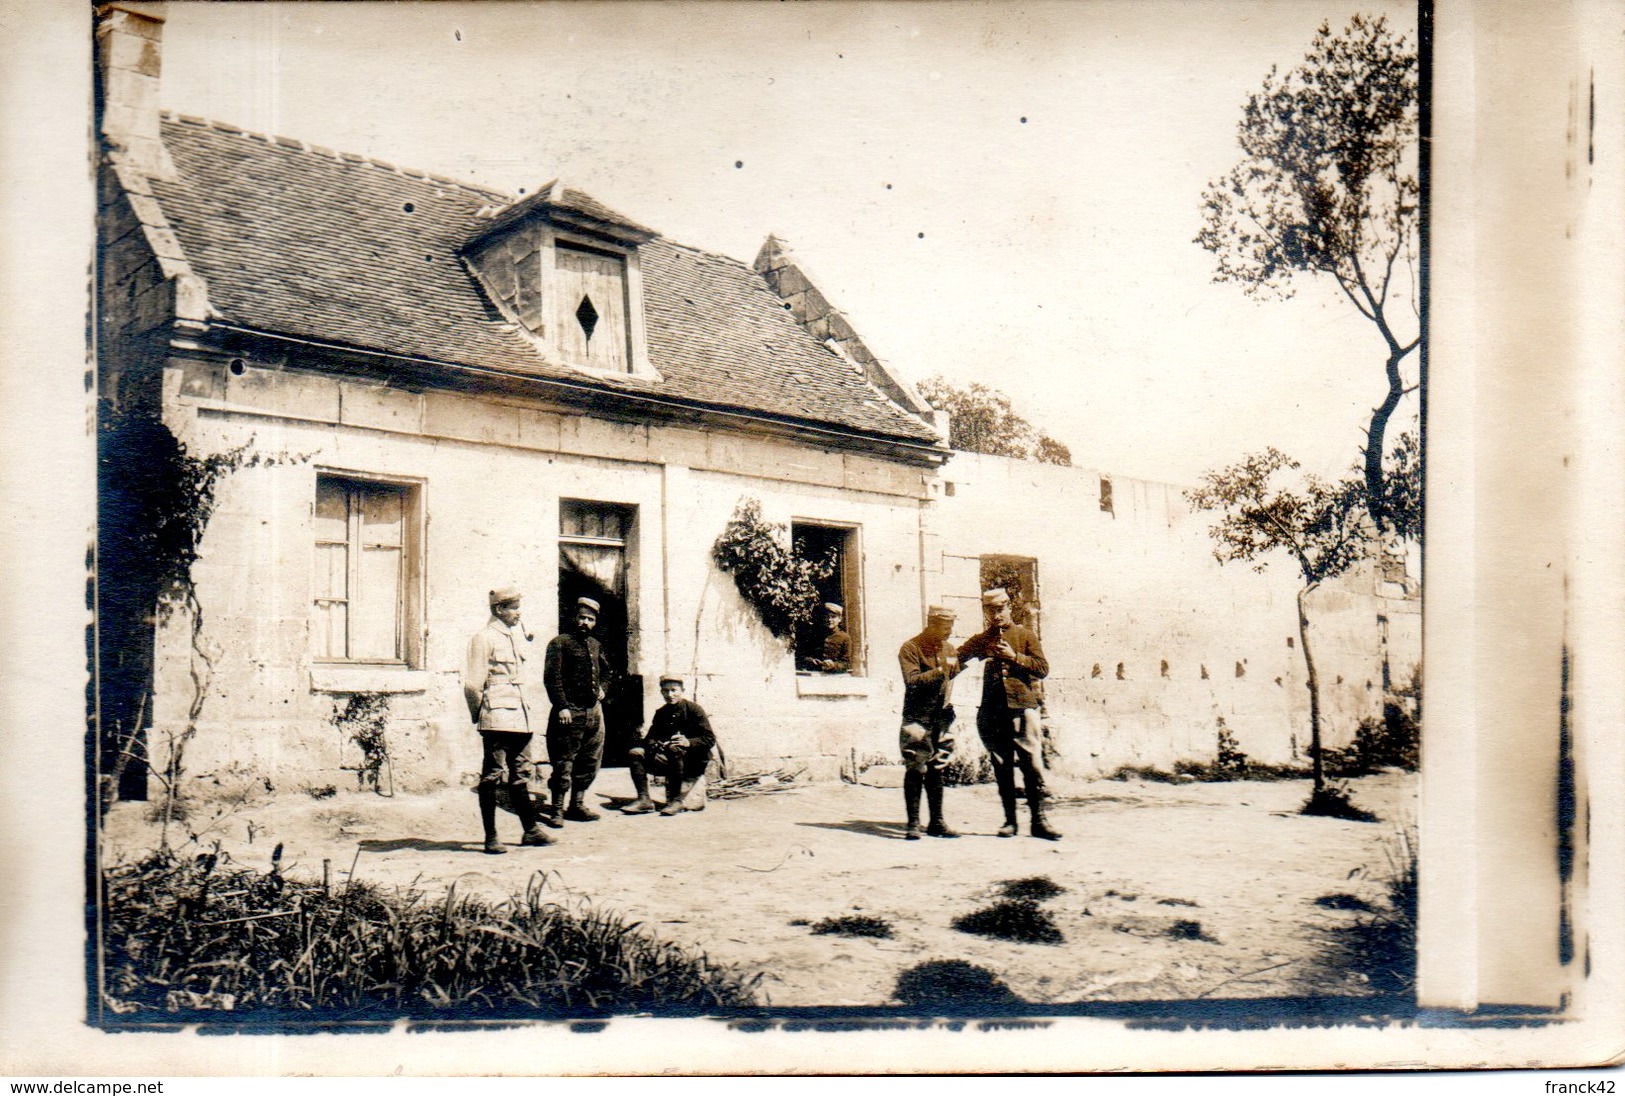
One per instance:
(365, 602)
(831, 644)
(589, 306)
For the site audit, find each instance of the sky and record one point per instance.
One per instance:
(995, 193)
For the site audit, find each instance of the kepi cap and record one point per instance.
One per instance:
(676, 679)
(939, 612)
(831, 607)
(503, 594)
(587, 603)
(996, 597)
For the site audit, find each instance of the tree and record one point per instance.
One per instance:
(1327, 187)
(982, 420)
(1322, 526)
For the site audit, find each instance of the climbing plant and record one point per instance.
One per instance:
(155, 500)
(364, 718)
(779, 585)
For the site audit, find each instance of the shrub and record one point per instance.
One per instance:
(1034, 888)
(954, 986)
(968, 768)
(1333, 801)
(194, 937)
(1012, 919)
(853, 925)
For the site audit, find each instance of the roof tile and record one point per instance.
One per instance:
(315, 246)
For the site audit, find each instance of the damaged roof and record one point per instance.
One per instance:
(301, 241)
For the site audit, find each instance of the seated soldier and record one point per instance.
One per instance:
(677, 747)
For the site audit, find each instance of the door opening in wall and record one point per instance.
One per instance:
(594, 546)
(1019, 575)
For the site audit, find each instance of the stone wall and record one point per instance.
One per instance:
(489, 476)
(1151, 642)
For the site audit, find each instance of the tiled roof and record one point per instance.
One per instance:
(309, 243)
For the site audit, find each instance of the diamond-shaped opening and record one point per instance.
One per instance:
(587, 316)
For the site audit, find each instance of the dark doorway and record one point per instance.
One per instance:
(594, 539)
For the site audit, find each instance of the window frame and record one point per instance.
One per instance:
(555, 309)
(852, 592)
(410, 596)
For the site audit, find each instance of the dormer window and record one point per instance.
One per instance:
(565, 269)
(590, 288)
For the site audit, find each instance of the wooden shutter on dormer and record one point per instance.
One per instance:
(589, 307)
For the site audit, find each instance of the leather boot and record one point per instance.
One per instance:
(676, 792)
(580, 812)
(1009, 827)
(640, 783)
(488, 819)
(1041, 826)
(913, 782)
(933, 797)
(525, 808)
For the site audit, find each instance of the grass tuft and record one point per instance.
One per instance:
(1012, 919)
(1184, 929)
(1343, 902)
(853, 925)
(196, 938)
(1034, 888)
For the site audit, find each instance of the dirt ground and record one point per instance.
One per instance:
(1172, 891)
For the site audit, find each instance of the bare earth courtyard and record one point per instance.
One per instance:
(1173, 892)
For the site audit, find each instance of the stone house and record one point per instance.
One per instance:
(431, 389)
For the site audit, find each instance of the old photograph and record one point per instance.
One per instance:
(748, 516)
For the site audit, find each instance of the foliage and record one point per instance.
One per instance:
(1389, 742)
(853, 925)
(192, 938)
(364, 718)
(781, 586)
(1229, 757)
(954, 987)
(1018, 919)
(1186, 929)
(1334, 801)
(1381, 944)
(1402, 480)
(1327, 188)
(1034, 888)
(156, 500)
(975, 767)
(1321, 526)
(982, 420)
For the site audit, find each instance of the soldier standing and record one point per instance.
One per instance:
(929, 666)
(577, 676)
(1007, 720)
(496, 680)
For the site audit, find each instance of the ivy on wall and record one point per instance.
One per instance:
(779, 585)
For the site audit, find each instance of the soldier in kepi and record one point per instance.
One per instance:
(1007, 720)
(577, 677)
(929, 666)
(497, 684)
(677, 747)
(834, 650)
